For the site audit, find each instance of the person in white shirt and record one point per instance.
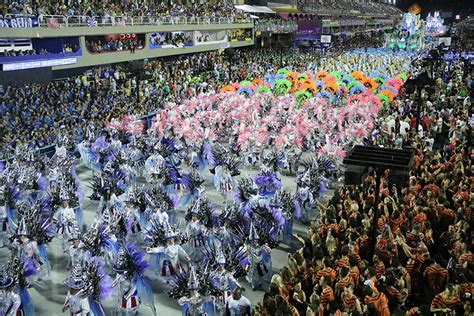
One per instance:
(429, 105)
(238, 305)
(467, 100)
(429, 143)
(404, 128)
(113, 85)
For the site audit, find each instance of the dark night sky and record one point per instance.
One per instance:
(463, 7)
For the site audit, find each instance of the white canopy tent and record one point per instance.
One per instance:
(254, 8)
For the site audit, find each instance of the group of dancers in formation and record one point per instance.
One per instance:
(142, 182)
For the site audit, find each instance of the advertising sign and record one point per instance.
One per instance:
(19, 22)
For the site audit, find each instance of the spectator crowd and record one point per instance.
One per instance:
(276, 26)
(329, 6)
(113, 45)
(213, 8)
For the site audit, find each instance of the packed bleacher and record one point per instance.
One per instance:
(329, 6)
(96, 8)
(176, 39)
(92, 99)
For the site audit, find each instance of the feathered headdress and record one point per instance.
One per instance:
(157, 197)
(76, 279)
(36, 226)
(157, 234)
(267, 183)
(205, 210)
(222, 157)
(97, 287)
(106, 183)
(288, 204)
(195, 280)
(19, 270)
(131, 259)
(274, 160)
(253, 234)
(97, 240)
(244, 190)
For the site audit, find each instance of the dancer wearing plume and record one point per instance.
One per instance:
(159, 206)
(224, 282)
(20, 270)
(65, 220)
(225, 167)
(88, 287)
(133, 287)
(199, 215)
(32, 235)
(97, 242)
(290, 209)
(256, 253)
(193, 303)
(76, 250)
(10, 302)
(228, 233)
(75, 302)
(158, 214)
(165, 246)
(311, 183)
(155, 167)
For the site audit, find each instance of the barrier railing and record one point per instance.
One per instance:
(56, 21)
(276, 27)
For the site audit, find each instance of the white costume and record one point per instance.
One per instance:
(170, 259)
(9, 303)
(66, 219)
(77, 305)
(160, 217)
(128, 299)
(196, 233)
